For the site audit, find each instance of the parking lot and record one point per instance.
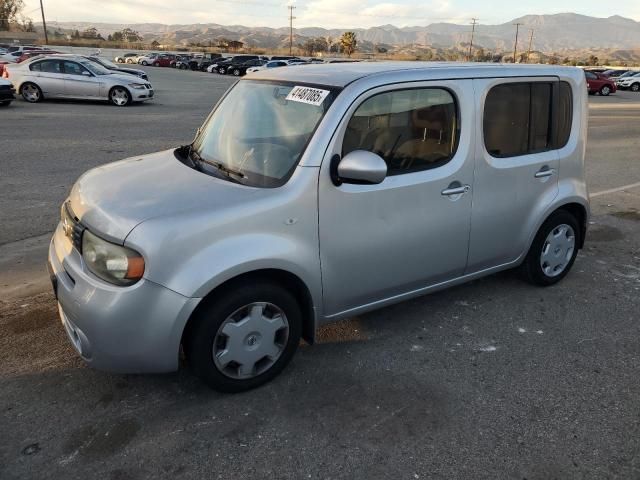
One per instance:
(493, 379)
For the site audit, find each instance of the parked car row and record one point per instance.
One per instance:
(74, 77)
(603, 80)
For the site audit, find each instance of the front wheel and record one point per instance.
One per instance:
(635, 87)
(31, 92)
(553, 251)
(119, 96)
(236, 72)
(245, 337)
(605, 90)
(221, 71)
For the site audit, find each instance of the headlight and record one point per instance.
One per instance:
(112, 263)
(137, 86)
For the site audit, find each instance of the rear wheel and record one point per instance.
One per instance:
(553, 250)
(236, 72)
(605, 90)
(244, 338)
(31, 92)
(221, 71)
(119, 96)
(635, 87)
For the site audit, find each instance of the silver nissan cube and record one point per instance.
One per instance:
(317, 193)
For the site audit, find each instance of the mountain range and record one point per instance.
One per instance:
(558, 32)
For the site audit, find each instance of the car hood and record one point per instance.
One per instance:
(112, 199)
(124, 77)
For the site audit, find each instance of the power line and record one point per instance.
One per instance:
(515, 45)
(291, 17)
(473, 30)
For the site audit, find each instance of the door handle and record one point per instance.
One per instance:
(461, 190)
(544, 172)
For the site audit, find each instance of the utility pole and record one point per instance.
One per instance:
(473, 30)
(44, 25)
(291, 18)
(530, 41)
(515, 45)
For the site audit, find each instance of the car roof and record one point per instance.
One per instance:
(342, 74)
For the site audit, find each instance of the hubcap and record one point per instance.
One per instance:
(635, 87)
(30, 93)
(119, 97)
(250, 340)
(605, 90)
(557, 250)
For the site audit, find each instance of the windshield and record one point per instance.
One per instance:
(259, 133)
(105, 63)
(95, 68)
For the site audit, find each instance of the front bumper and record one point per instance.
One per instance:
(134, 329)
(139, 95)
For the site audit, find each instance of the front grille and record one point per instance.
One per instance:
(148, 85)
(72, 227)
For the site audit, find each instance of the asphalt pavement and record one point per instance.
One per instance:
(492, 379)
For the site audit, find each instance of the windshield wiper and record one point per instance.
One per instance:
(228, 172)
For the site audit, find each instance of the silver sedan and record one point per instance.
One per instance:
(75, 77)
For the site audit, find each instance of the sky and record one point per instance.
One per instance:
(318, 13)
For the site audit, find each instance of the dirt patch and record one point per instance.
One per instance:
(631, 214)
(603, 233)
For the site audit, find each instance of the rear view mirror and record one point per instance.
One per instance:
(361, 167)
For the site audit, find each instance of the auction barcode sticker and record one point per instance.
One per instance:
(312, 96)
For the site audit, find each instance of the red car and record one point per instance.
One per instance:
(163, 60)
(598, 83)
(33, 53)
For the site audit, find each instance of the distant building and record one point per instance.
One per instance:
(20, 38)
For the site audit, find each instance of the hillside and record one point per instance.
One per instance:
(552, 33)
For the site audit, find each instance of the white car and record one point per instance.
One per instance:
(64, 76)
(147, 59)
(271, 64)
(631, 82)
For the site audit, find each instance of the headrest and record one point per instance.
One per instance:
(430, 117)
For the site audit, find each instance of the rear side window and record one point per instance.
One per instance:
(565, 113)
(517, 119)
(412, 130)
(49, 66)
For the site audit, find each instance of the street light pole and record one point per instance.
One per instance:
(515, 45)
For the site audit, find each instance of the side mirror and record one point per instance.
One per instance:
(86, 74)
(360, 167)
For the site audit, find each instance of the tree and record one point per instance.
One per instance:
(349, 43)
(155, 44)
(554, 60)
(9, 10)
(75, 35)
(129, 35)
(593, 60)
(117, 37)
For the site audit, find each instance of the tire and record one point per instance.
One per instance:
(129, 61)
(605, 90)
(5, 104)
(562, 253)
(183, 66)
(119, 96)
(221, 71)
(205, 342)
(31, 92)
(635, 87)
(236, 72)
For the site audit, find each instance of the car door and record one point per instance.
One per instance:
(516, 175)
(50, 77)
(380, 242)
(79, 82)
